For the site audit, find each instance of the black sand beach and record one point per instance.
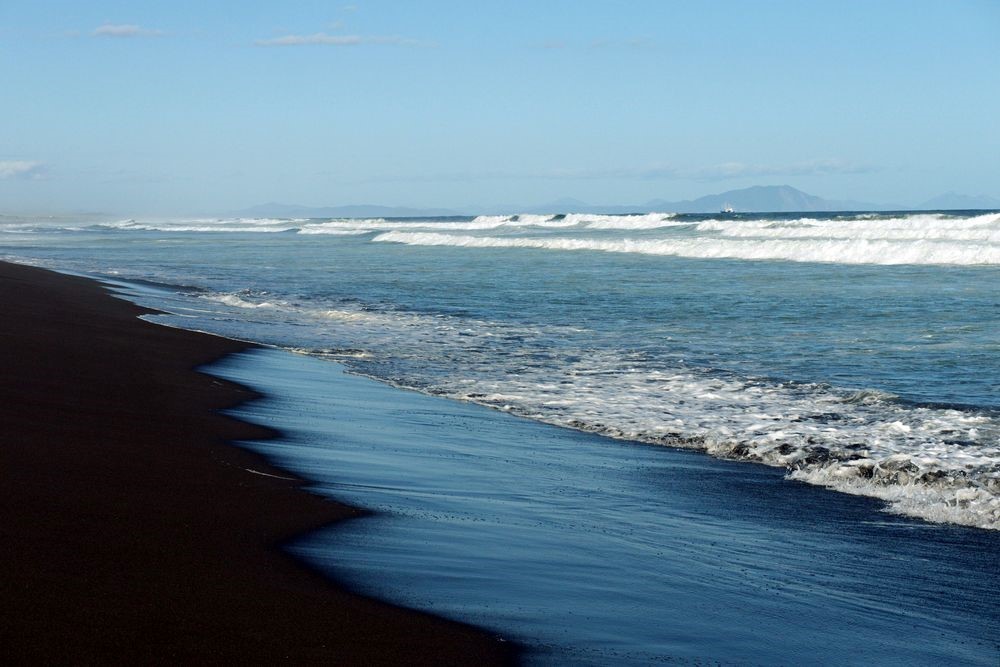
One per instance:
(134, 532)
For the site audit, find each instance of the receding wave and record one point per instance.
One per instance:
(941, 465)
(835, 250)
(937, 463)
(239, 300)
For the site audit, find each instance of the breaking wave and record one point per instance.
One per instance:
(924, 227)
(880, 249)
(937, 463)
(209, 225)
(647, 221)
(357, 226)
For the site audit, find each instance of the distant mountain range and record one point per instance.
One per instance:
(763, 198)
(759, 198)
(766, 198)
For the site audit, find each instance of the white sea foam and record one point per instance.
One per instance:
(520, 220)
(351, 226)
(280, 310)
(333, 231)
(845, 251)
(583, 220)
(934, 463)
(647, 221)
(207, 225)
(237, 301)
(541, 220)
(347, 226)
(483, 222)
(919, 227)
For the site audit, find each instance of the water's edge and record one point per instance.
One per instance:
(487, 518)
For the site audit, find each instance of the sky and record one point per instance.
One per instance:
(206, 107)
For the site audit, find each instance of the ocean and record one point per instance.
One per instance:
(856, 353)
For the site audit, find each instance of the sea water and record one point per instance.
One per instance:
(590, 552)
(859, 352)
(856, 351)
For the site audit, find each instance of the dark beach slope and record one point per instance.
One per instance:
(132, 532)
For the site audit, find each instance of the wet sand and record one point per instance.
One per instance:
(132, 530)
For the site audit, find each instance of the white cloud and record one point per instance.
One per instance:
(25, 169)
(323, 39)
(124, 30)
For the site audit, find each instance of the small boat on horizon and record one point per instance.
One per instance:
(727, 209)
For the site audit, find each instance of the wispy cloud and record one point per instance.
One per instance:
(324, 39)
(124, 30)
(317, 38)
(22, 169)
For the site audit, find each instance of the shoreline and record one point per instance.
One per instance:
(135, 529)
(544, 533)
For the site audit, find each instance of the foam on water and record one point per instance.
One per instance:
(918, 238)
(204, 225)
(647, 221)
(364, 225)
(936, 463)
(533, 220)
(196, 225)
(980, 229)
(843, 251)
(482, 222)
(440, 333)
(347, 226)
(357, 226)
(237, 301)
(582, 220)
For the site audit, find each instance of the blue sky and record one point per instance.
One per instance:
(204, 107)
